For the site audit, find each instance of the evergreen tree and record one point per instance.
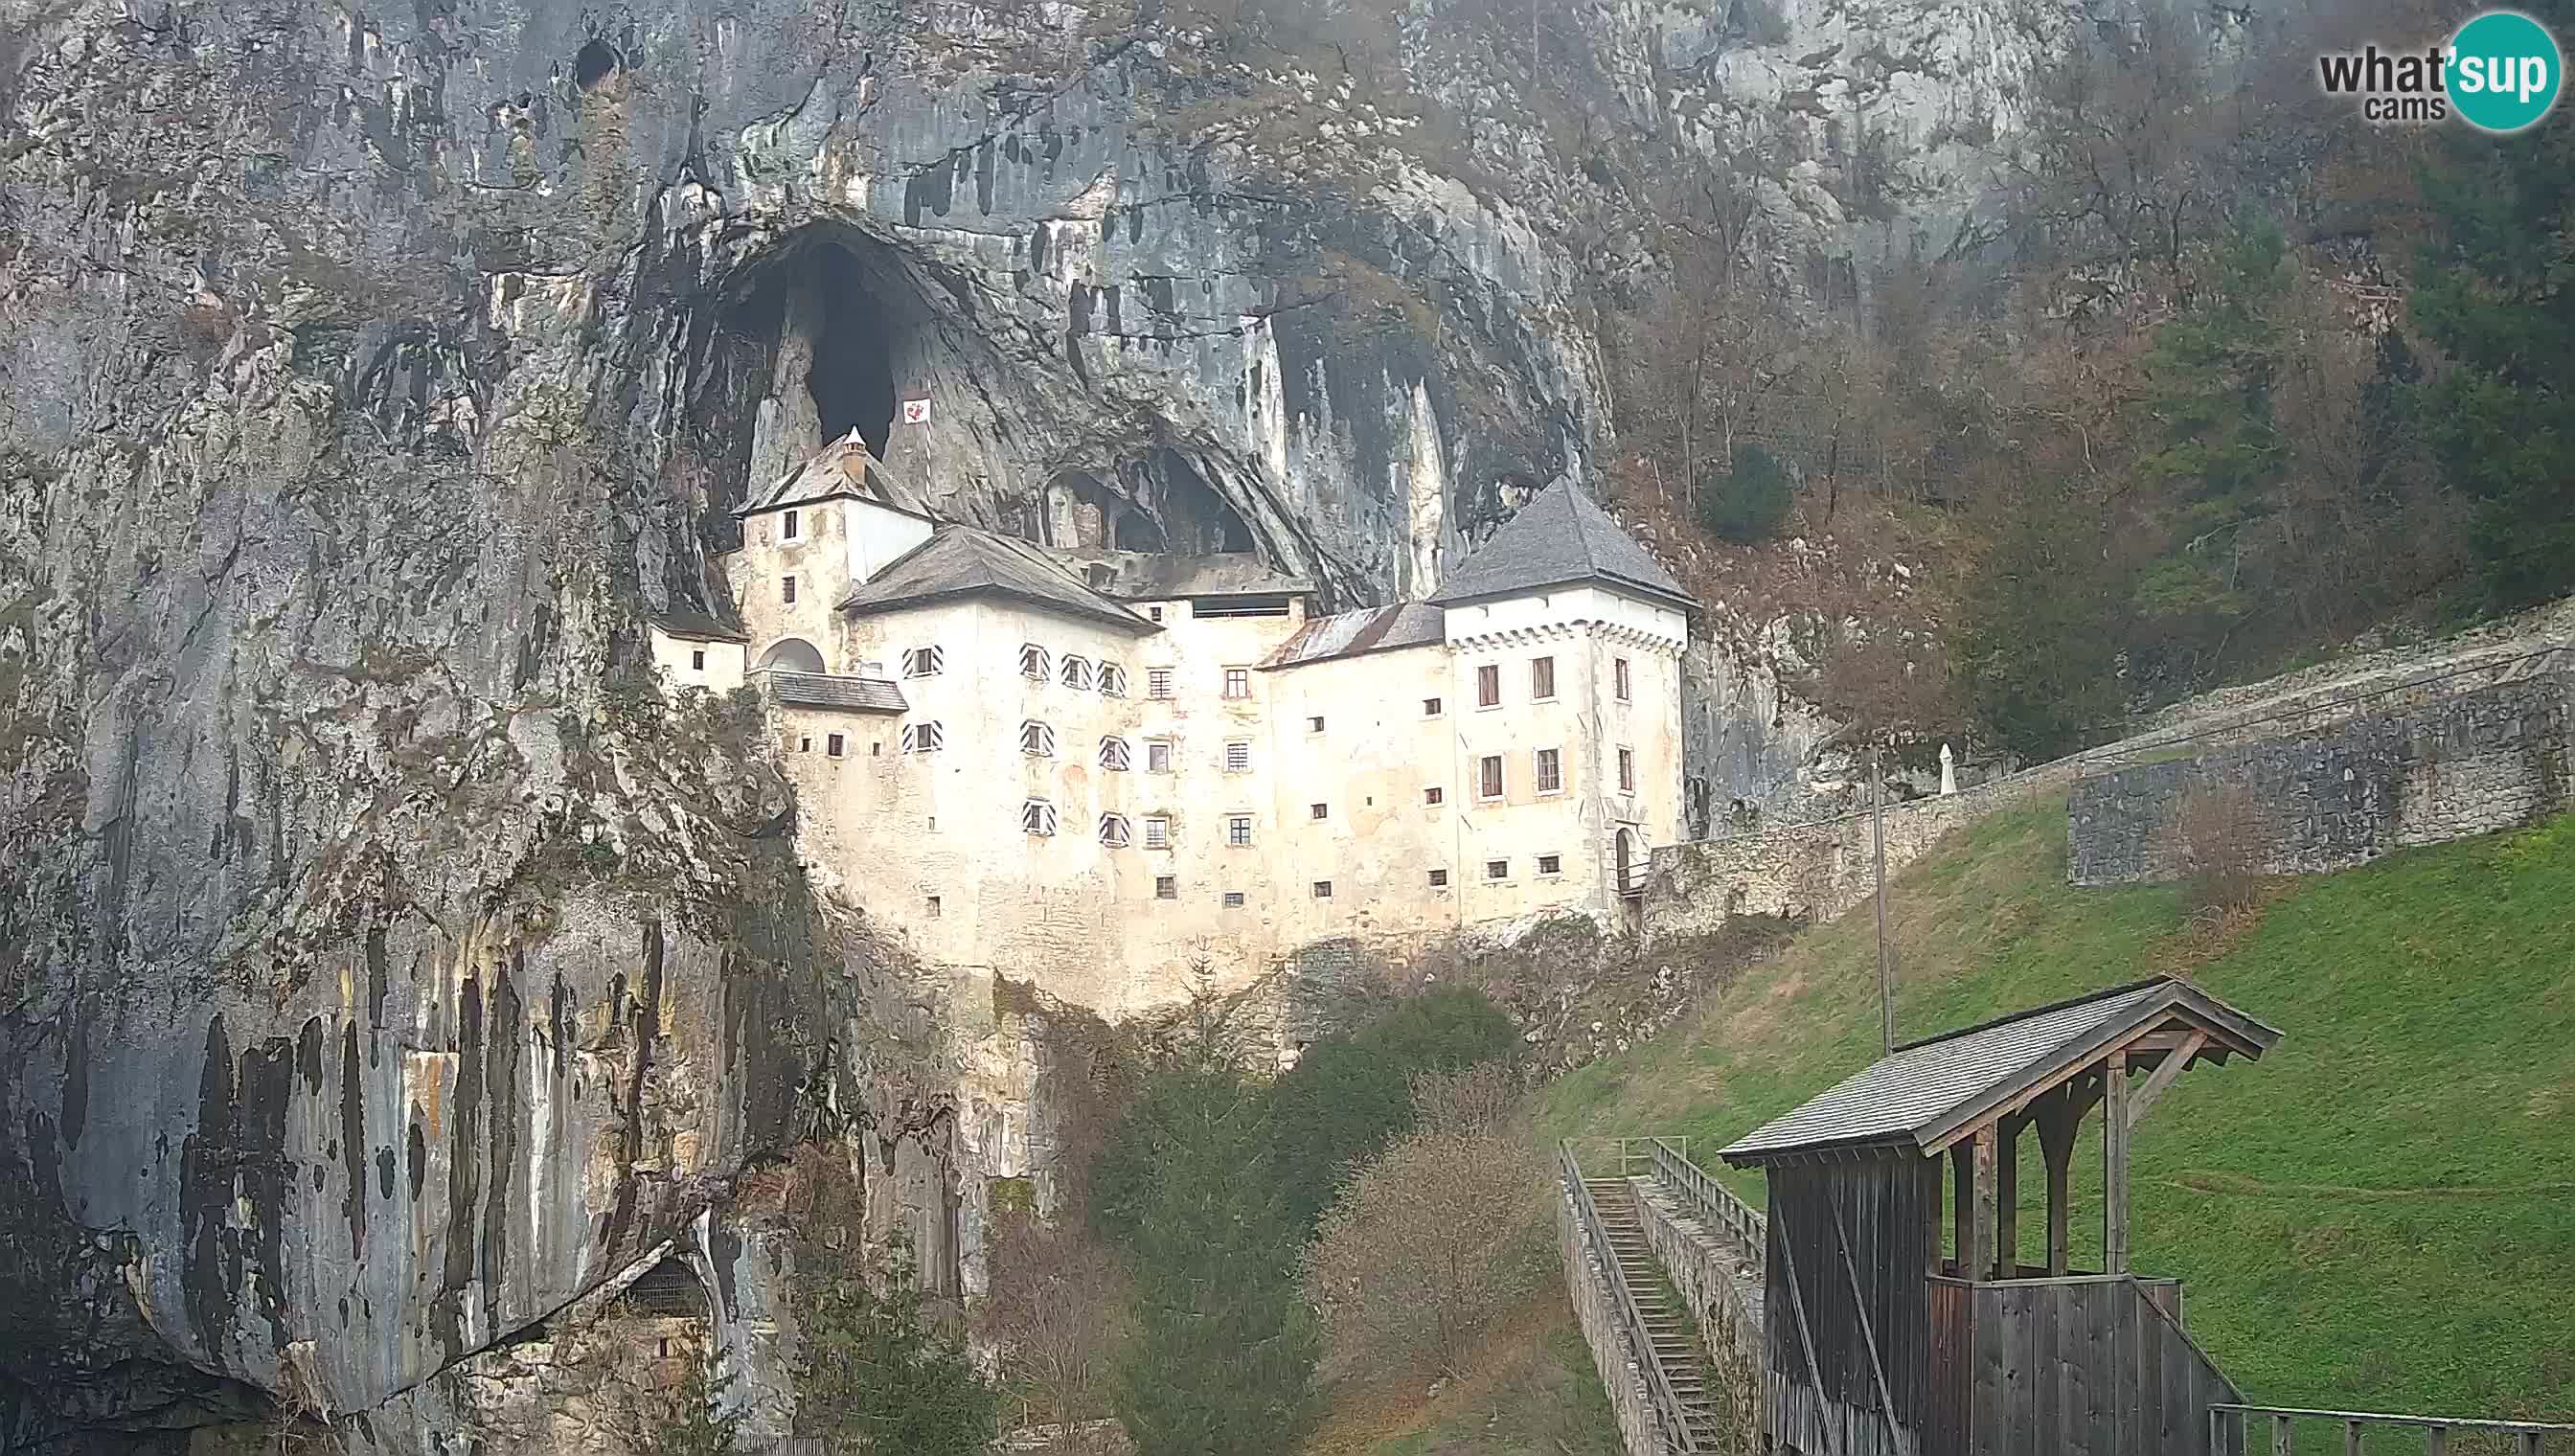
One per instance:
(2496, 291)
(878, 1373)
(1745, 499)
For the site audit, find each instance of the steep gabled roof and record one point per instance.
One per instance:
(1559, 539)
(1918, 1100)
(689, 624)
(960, 561)
(844, 469)
(1351, 633)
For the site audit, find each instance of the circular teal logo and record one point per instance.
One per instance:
(2504, 71)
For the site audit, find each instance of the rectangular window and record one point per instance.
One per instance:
(1488, 778)
(1497, 870)
(805, 744)
(1541, 678)
(1432, 794)
(927, 662)
(1489, 685)
(792, 531)
(1113, 755)
(1430, 707)
(1619, 676)
(1156, 612)
(1234, 899)
(1076, 673)
(1550, 771)
(1238, 756)
(1238, 829)
(1627, 770)
(924, 737)
(1037, 816)
(1113, 830)
(1322, 889)
(833, 745)
(1313, 724)
(786, 590)
(1167, 887)
(1439, 880)
(1158, 833)
(1113, 680)
(1550, 864)
(1037, 740)
(1237, 682)
(1158, 758)
(1035, 662)
(933, 907)
(697, 662)
(1323, 810)
(1158, 682)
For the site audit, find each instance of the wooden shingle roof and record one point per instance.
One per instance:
(1929, 1093)
(960, 561)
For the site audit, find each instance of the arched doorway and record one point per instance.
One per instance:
(791, 655)
(1631, 865)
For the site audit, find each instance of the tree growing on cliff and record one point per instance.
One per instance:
(1057, 1313)
(695, 1416)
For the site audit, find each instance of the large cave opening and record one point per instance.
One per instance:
(852, 380)
(1180, 511)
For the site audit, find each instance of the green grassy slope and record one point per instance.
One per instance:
(2379, 1214)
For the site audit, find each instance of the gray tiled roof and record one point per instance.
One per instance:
(692, 624)
(1926, 1089)
(844, 467)
(827, 690)
(1561, 537)
(1349, 634)
(960, 561)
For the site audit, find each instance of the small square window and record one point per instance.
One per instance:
(1432, 795)
(1619, 676)
(1037, 816)
(1313, 724)
(1541, 678)
(1438, 880)
(1157, 756)
(1167, 887)
(1156, 612)
(786, 590)
(1237, 682)
(927, 662)
(697, 662)
(1489, 778)
(875, 749)
(805, 744)
(1323, 810)
(1238, 756)
(792, 530)
(1550, 864)
(1430, 707)
(833, 745)
(1489, 685)
(1238, 829)
(933, 907)
(1497, 870)
(1158, 833)
(1234, 899)
(1322, 889)
(1158, 682)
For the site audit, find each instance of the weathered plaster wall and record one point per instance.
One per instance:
(2485, 759)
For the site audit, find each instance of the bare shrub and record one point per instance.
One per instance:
(1431, 1246)
(2218, 845)
(1482, 1099)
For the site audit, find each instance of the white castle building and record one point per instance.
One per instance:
(1100, 768)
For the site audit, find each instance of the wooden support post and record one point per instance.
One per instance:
(1962, 1202)
(2007, 1200)
(2352, 1438)
(2059, 1118)
(2283, 1441)
(2115, 1159)
(2436, 1441)
(1981, 1245)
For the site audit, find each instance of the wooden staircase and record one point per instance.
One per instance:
(1674, 1350)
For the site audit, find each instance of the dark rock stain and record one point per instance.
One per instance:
(500, 1081)
(630, 1145)
(75, 1074)
(376, 976)
(308, 1055)
(417, 1154)
(205, 1198)
(464, 1174)
(384, 1171)
(353, 1139)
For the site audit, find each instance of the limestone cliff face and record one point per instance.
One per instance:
(383, 965)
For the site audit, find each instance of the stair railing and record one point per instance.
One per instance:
(1669, 1411)
(2230, 1429)
(1713, 1202)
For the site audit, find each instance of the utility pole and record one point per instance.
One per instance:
(1877, 832)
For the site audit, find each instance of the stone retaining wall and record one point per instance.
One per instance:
(1722, 1287)
(2427, 772)
(1596, 1308)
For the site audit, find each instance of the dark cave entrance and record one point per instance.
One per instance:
(851, 381)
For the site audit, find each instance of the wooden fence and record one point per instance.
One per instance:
(1714, 1203)
(2233, 1428)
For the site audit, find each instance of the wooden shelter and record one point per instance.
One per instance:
(1883, 1340)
